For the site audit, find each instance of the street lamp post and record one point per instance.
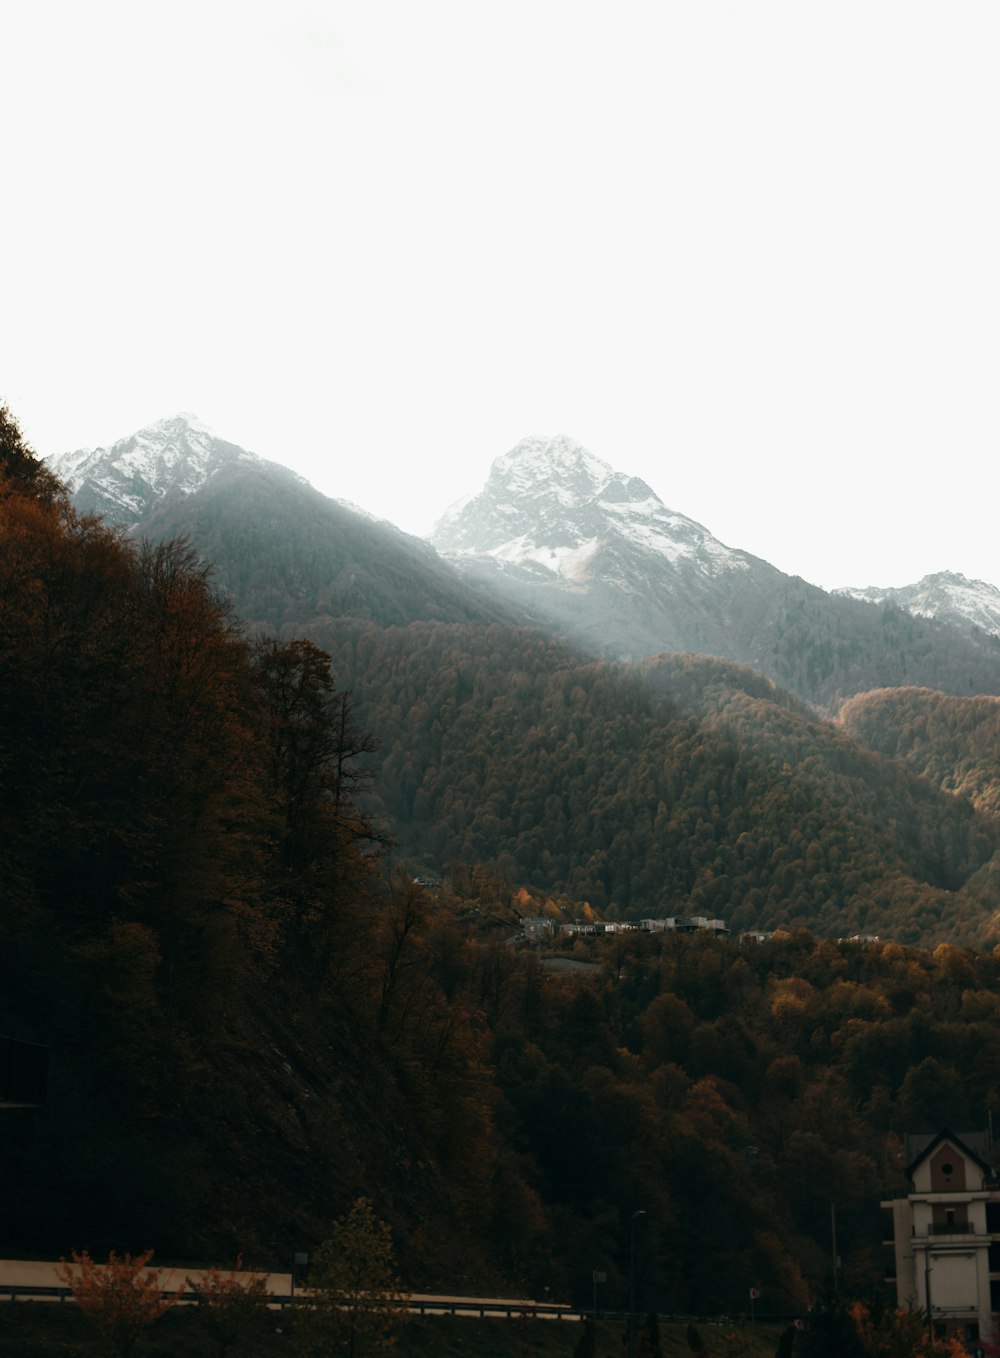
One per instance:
(927, 1291)
(599, 1276)
(631, 1282)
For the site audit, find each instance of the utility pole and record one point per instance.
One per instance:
(927, 1290)
(833, 1238)
(599, 1276)
(631, 1283)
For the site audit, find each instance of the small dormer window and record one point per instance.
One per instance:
(948, 1170)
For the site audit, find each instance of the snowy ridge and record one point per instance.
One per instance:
(558, 465)
(551, 505)
(945, 594)
(123, 481)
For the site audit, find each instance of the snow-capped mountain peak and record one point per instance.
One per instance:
(558, 464)
(123, 481)
(574, 541)
(551, 506)
(945, 594)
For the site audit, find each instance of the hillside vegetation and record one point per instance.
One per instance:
(682, 786)
(285, 554)
(952, 742)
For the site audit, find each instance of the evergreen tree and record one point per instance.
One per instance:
(786, 1344)
(20, 467)
(649, 1338)
(830, 1332)
(586, 1345)
(354, 1293)
(694, 1340)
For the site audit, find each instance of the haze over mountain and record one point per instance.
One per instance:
(683, 785)
(557, 536)
(283, 552)
(598, 554)
(561, 536)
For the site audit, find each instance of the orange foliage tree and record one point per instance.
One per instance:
(230, 1305)
(119, 1298)
(901, 1334)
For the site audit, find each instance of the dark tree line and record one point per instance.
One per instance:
(196, 919)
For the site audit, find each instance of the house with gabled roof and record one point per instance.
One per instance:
(946, 1234)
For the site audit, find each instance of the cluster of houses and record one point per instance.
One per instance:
(540, 927)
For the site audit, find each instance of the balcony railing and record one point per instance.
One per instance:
(951, 1228)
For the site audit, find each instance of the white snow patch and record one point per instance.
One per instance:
(566, 563)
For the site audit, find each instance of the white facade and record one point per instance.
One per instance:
(946, 1235)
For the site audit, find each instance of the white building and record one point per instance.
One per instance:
(946, 1234)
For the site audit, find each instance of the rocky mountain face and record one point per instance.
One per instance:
(567, 536)
(550, 504)
(595, 552)
(947, 595)
(175, 456)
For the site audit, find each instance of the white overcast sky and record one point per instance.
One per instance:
(747, 250)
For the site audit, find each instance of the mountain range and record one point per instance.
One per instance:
(671, 785)
(557, 538)
(588, 690)
(283, 552)
(945, 594)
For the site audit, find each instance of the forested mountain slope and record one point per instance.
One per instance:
(194, 924)
(683, 786)
(952, 742)
(285, 554)
(822, 646)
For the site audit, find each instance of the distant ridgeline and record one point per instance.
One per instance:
(556, 537)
